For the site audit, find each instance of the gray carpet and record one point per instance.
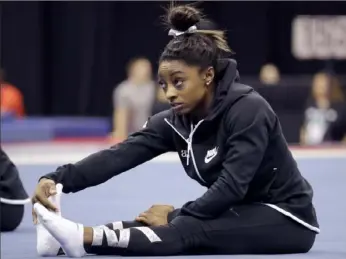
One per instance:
(125, 196)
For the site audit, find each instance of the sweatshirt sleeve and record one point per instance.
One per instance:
(153, 140)
(249, 124)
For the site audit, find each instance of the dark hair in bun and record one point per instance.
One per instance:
(183, 17)
(202, 47)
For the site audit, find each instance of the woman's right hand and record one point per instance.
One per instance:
(44, 189)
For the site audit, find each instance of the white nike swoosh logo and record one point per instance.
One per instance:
(209, 158)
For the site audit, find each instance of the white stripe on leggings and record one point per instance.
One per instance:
(118, 225)
(112, 239)
(150, 234)
(97, 236)
(15, 202)
(124, 238)
(290, 215)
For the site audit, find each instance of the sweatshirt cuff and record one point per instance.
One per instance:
(50, 177)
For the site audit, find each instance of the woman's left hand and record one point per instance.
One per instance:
(156, 215)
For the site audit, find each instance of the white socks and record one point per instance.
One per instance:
(70, 235)
(47, 245)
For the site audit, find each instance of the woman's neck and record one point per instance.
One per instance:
(323, 103)
(203, 108)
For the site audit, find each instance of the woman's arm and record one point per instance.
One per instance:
(151, 141)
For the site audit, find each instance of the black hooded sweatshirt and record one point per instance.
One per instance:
(238, 152)
(12, 190)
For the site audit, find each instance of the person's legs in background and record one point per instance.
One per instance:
(11, 216)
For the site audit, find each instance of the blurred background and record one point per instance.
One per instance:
(85, 71)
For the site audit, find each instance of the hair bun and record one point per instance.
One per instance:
(183, 17)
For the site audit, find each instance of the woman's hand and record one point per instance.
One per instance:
(156, 215)
(44, 189)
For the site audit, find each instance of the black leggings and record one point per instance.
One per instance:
(11, 216)
(250, 229)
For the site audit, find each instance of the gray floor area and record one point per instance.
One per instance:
(123, 197)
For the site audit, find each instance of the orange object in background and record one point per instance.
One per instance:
(11, 100)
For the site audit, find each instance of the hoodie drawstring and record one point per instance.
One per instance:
(189, 144)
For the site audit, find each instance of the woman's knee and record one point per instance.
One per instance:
(191, 230)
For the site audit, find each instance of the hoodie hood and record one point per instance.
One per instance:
(227, 90)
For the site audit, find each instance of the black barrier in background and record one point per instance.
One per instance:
(66, 57)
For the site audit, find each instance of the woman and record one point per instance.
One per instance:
(324, 116)
(228, 139)
(133, 98)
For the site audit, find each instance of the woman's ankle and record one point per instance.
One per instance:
(88, 235)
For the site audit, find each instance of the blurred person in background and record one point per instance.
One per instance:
(337, 129)
(12, 103)
(133, 98)
(325, 111)
(12, 194)
(269, 75)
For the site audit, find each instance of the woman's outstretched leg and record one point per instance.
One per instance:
(77, 240)
(248, 229)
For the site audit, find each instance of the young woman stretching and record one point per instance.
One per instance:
(228, 139)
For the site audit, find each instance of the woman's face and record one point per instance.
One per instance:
(184, 86)
(141, 71)
(270, 74)
(320, 86)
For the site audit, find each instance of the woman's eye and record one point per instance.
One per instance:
(178, 83)
(162, 84)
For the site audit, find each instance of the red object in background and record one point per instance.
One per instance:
(11, 100)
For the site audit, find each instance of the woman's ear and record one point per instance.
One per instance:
(209, 75)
